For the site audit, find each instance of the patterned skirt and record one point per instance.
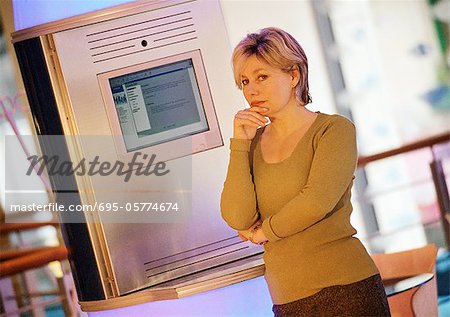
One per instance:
(363, 298)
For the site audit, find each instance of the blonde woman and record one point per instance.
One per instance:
(288, 187)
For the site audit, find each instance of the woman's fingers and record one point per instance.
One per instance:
(247, 121)
(246, 116)
(257, 111)
(261, 110)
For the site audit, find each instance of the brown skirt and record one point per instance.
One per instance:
(363, 298)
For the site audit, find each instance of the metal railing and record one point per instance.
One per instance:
(437, 172)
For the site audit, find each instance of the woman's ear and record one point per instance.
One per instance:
(295, 75)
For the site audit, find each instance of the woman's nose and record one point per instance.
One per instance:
(252, 89)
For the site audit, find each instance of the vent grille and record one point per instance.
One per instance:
(196, 259)
(129, 39)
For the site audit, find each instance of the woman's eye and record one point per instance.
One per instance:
(262, 77)
(244, 82)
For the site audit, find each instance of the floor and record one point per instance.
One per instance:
(442, 275)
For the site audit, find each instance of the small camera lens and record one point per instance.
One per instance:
(144, 43)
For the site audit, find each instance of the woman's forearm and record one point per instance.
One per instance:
(238, 201)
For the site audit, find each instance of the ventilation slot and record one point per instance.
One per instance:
(129, 39)
(194, 260)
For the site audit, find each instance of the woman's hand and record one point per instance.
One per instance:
(245, 234)
(259, 237)
(248, 234)
(247, 121)
(254, 234)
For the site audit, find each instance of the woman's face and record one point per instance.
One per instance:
(266, 86)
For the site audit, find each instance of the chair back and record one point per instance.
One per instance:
(419, 301)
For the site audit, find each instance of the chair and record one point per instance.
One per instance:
(20, 261)
(418, 301)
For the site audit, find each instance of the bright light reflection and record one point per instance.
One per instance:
(28, 13)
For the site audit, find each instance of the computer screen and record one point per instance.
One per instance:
(153, 104)
(158, 104)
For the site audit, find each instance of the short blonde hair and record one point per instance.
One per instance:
(278, 49)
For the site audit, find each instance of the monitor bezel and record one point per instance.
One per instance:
(188, 144)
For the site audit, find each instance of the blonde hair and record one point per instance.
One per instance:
(278, 49)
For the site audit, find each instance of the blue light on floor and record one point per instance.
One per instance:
(246, 299)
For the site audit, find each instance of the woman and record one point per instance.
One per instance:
(288, 187)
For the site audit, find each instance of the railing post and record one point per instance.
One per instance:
(440, 185)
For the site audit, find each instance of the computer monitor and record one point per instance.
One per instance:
(163, 106)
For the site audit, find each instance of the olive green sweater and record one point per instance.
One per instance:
(304, 203)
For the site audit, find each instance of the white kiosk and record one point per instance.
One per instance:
(146, 78)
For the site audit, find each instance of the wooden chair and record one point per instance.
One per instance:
(418, 301)
(19, 261)
(22, 261)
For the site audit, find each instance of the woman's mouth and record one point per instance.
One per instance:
(257, 103)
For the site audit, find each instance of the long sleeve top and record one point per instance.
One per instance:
(304, 203)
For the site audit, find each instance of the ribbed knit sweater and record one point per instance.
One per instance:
(304, 203)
